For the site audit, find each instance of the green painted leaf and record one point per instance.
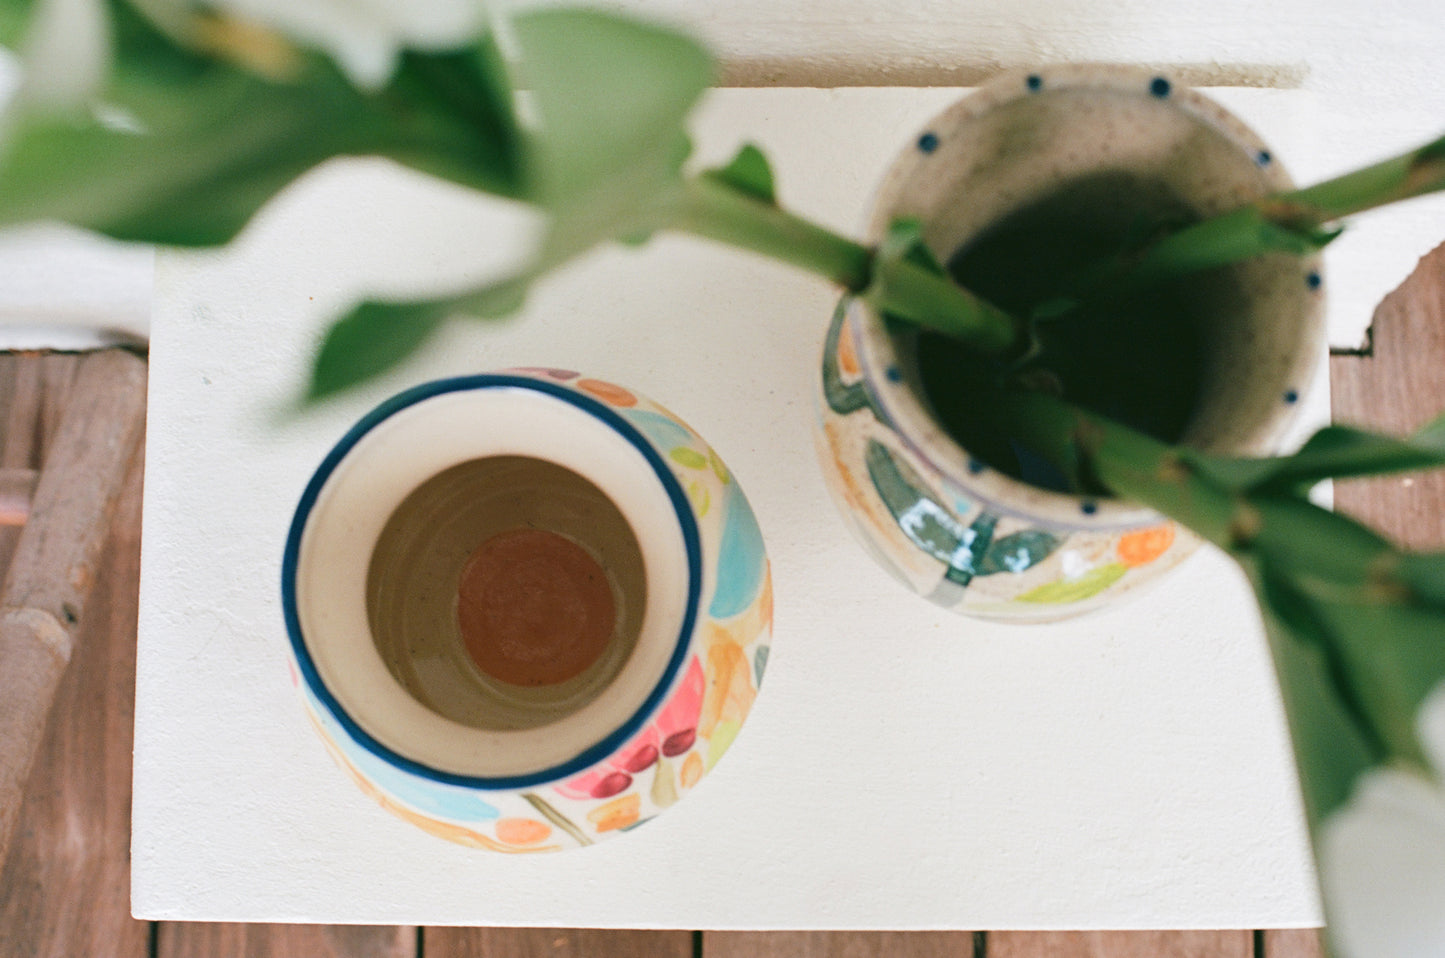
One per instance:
(685, 456)
(664, 784)
(1018, 551)
(1076, 590)
(748, 173)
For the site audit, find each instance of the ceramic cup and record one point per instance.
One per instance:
(528, 610)
(1105, 146)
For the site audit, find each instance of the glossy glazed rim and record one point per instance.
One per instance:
(604, 747)
(919, 431)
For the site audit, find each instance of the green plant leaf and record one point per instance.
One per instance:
(376, 337)
(15, 21)
(1330, 747)
(748, 173)
(1424, 575)
(612, 94)
(904, 242)
(368, 341)
(205, 143)
(1332, 452)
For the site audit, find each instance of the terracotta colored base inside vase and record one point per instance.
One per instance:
(534, 608)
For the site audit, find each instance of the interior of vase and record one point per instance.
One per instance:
(558, 613)
(1035, 175)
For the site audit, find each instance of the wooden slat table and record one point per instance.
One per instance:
(64, 889)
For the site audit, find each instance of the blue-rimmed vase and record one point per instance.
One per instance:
(382, 537)
(1114, 143)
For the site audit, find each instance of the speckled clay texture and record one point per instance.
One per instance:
(969, 537)
(661, 752)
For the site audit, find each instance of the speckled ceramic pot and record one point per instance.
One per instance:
(968, 536)
(370, 591)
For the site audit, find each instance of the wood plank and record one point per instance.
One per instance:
(554, 943)
(233, 940)
(1291, 943)
(17, 489)
(65, 886)
(1397, 388)
(1119, 944)
(9, 368)
(838, 944)
(57, 375)
(57, 556)
(21, 446)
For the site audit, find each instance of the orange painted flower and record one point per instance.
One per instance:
(618, 813)
(607, 392)
(1143, 546)
(522, 831)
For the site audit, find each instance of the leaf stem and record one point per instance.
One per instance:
(1297, 221)
(707, 207)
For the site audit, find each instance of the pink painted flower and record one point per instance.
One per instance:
(670, 734)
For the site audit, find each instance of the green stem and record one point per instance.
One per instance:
(1127, 463)
(709, 208)
(1295, 221)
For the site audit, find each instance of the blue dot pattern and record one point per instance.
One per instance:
(928, 142)
(1313, 281)
(1035, 82)
(1291, 396)
(1263, 158)
(1089, 508)
(894, 376)
(1159, 87)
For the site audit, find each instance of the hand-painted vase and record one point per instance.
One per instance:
(528, 610)
(1037, 170)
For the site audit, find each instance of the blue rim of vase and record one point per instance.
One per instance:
(601, 749)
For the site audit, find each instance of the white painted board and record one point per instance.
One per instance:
(903, 767)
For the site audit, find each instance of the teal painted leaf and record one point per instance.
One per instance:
(760, 664)
(841, 397)
(742, 561)
(1018, 551)
(748, 173)
(661, 431)
(927, 524)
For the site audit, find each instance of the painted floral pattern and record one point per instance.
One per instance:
(689, 733)
(931, 534)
